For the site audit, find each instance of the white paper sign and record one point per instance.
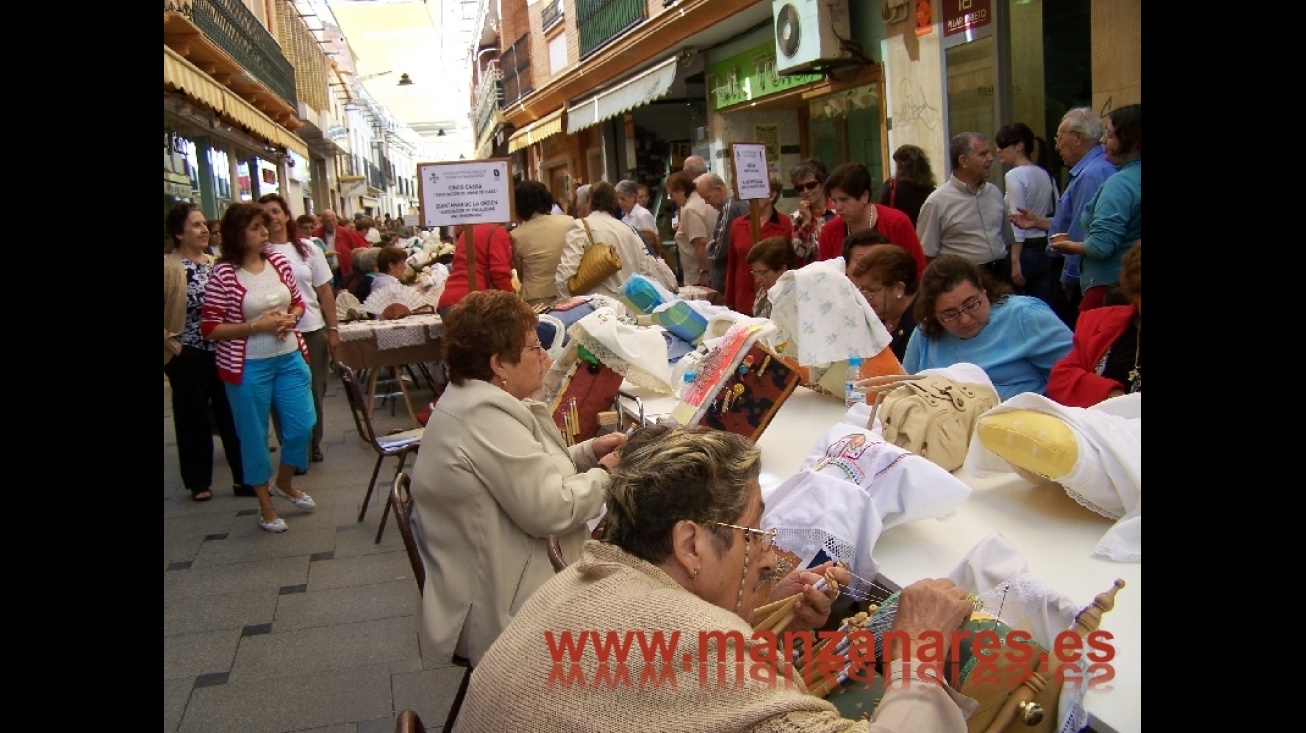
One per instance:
(752, 179)
(465, 192)
(411, 220)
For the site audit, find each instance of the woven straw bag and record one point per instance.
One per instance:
(599, 262)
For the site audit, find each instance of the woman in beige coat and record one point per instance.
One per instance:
(495, 478)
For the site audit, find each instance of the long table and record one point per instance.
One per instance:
(377, 345)
(1054, 533)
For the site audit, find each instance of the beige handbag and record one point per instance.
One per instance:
(599, 262)
(934, 417)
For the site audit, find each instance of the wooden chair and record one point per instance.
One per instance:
(401, 500)
(402, 503)
(396, 443)
(409, 721)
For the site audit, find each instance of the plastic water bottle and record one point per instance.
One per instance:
(850, 394)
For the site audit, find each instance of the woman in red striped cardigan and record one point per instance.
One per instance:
(250, 308)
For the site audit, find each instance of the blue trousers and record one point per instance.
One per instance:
(284, 383)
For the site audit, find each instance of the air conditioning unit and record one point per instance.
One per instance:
(808, 34)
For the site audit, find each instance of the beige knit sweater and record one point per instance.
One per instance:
(610, 590)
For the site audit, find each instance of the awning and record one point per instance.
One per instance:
(640, 89)
(550, 124)
(184, 77)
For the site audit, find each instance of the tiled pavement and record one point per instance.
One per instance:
(312, 629)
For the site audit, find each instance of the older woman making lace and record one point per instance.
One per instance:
(682, 560)
(495, 478)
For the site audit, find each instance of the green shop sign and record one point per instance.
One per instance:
(750, 76)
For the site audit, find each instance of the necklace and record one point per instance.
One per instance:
(1138, 356)
(870, 221)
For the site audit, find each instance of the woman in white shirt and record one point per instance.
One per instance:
(318, 326)
(1029, 186)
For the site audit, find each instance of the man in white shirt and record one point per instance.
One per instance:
(967, 215)
(632, 213)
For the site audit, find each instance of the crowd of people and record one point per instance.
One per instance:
(1040, 286)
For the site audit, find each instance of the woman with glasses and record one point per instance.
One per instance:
(886, 276)
(814, 209)
(965, 316)
(495, 478)
(767, 261)
(681, 565)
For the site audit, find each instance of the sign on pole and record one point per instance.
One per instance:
(752, 177)
(752, 180)
(465, 192)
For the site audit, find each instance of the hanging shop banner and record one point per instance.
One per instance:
(752, 179)
(749, 76)
(465, 192)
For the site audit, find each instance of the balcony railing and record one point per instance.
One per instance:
(516, 65)
(553, 12)
(601, 21)
(237, 31)
(489, 91)
(375, 178)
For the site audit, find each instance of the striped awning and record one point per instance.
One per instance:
(550, 124)
(182, 76)
(636, 91)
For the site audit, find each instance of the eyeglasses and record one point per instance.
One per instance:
(537, 346)
(762, 273)
(809, 186)
(969, 307)
(1108, 135)
(869, 292)
(767, 535)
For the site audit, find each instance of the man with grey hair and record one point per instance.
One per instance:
(582, 201)
(632, 212)
(967, 215)
(716, 193)
(1077, 142)
(695, 166)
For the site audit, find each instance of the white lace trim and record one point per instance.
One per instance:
(806, 543)
(1088, 504)
(605, 355)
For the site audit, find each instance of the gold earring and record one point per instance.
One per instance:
(694, 575)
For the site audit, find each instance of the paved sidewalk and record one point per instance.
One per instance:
(312, 629)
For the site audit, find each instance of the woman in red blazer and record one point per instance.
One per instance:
(741, 290)
(1106, 359)
(493, 258)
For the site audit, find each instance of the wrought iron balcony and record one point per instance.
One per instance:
(601, 21)
(489, 91)
(235, 30)
(375, 178)
(516, 65)
(553, 12)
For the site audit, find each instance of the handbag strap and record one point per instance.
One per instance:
(588, 233)
(893, 191)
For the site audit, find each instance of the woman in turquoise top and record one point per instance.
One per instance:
(964, 316)
(1113, 220)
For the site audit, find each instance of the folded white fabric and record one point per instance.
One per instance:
(903, 486)
(823, 317)
(813, 513)
(638, 353)
(1108, 473)
(997, 573)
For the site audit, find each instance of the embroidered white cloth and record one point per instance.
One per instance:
(823, 316)
(638, 353)
(852, 487)
(1108, 473)
(903, 486)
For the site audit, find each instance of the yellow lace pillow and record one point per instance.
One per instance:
(1034, 441)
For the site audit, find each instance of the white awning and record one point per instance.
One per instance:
(638, 90)
(548, 125)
